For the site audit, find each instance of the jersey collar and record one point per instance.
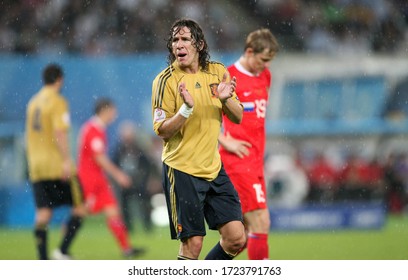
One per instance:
(241, 69)
(98, 122)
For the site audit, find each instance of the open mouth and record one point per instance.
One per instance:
(181, 54)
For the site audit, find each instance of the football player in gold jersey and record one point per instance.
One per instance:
(51, 168)
(189, 98)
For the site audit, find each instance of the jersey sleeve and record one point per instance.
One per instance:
(60, 115)
(163, 102)
(95, 142)
(97, 146)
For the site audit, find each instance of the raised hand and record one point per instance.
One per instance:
(226, 89)
(187, 98)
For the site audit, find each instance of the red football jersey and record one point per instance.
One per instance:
(253, 92)
(92, 141)
(97, 191)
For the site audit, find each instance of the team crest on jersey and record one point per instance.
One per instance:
(214, 91)
(159, 115)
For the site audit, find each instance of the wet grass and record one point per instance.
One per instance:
(388, 243)
(96, 243)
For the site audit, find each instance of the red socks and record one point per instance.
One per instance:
(119, 230)
(257, 246)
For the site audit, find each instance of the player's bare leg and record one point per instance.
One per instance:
(190, 248)
(43, 217)
(232, 237)
(232, 240)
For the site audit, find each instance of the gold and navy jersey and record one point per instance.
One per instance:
(47, 112)
(194, 149)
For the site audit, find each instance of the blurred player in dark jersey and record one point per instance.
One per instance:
(131, 156)
(243, 145)
(188, 100)
(51, 167)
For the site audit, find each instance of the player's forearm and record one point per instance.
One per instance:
(171, 127)
(222, 139)
(233, 110)
(107, 165)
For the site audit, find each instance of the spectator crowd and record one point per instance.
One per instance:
(359, 179)
(136, 26)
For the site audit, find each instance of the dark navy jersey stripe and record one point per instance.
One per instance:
(160, 89)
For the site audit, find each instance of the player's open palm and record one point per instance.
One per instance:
(225, 89)
(187, 98)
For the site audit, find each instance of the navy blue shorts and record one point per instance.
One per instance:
(54, 193)
(191, 201)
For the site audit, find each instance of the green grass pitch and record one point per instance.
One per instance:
(95, 242)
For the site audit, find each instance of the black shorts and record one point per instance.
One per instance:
(54, 193)
(191, 200)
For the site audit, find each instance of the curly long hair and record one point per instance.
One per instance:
(198, 41)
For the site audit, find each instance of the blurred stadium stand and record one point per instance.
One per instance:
(135, 26)
(339, 81)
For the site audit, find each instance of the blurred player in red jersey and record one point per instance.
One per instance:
(243, 145)
(93, 164)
